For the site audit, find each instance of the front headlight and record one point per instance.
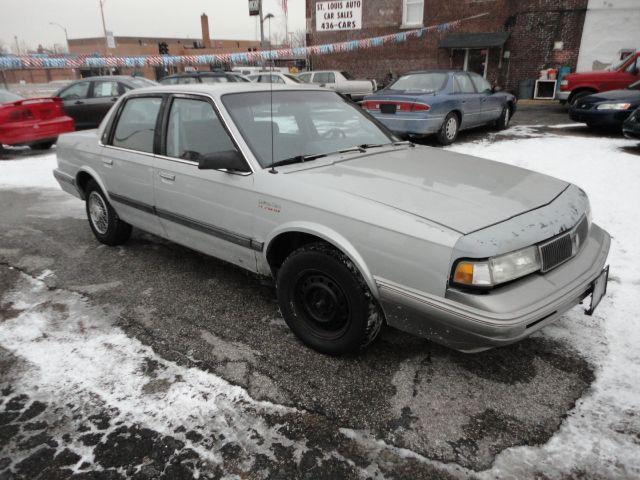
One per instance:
(497, 270)
(613, 106)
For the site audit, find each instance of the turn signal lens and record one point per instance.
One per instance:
(472, 274)
(464, 273)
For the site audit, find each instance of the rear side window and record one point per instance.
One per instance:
(75, 91)
(463, 83)
(136, 124)
(194, 130)
(324, 77)
(107, 89)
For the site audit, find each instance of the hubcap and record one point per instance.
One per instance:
(98, 213)
(451, 127)
(322, 303)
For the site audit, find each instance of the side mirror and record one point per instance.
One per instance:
(228, 160)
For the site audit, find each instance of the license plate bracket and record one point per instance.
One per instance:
(598, 290)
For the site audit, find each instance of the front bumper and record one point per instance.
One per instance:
(562, 96)
(474, 322)
(601, 118)
(410, 125)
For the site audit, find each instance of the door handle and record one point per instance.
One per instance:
(114, 99)
(79, 102)
(167, 176)
(107, 161)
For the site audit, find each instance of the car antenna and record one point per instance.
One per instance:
(272, 170)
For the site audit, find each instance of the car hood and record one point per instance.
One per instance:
(615, 95)
(460, 192)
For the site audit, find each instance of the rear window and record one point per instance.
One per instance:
(6, 97)
(136, 124)
(420, 82)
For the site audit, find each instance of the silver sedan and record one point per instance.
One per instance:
(356, 228)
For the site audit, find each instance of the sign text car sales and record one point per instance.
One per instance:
(339, 15)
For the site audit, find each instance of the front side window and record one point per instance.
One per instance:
(106, 89)
(412, 12)
(300, 123)
(463, 84)
(194, 130)
(75, 91)
(420, 82)
(136, 124)
(480, 83)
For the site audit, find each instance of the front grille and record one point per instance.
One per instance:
(561, 248)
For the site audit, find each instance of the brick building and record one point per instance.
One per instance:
(516, 40)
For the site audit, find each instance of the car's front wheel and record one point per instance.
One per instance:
(103, 219)
(449, 129)
(502, 123)
(325, 301)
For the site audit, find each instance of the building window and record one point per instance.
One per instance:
(412, 11)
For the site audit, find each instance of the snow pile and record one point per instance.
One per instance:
(36, 172)
(74, 353)
(600, 436)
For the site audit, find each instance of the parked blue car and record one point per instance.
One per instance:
(439, 102)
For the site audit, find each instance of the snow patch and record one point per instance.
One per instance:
(600, 436)
(36, 172)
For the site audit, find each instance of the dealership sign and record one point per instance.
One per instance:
(339, 15)
(254, 7)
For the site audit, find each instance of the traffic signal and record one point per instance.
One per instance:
(163, 48)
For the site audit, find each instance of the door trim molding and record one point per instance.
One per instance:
(191, 223)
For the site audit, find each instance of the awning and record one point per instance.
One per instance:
(474, 40)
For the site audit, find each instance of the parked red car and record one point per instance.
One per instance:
(616, 77)
(35, 122)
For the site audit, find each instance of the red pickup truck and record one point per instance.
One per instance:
(614, 77)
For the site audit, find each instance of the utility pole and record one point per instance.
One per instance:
(104, 31)
(261, 28)
(15, 37)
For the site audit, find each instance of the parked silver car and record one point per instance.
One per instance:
(356, 228)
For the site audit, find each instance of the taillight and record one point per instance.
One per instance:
(369, 105)
(400, 106)
(20, 114)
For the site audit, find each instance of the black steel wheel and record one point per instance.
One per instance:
(325, 301)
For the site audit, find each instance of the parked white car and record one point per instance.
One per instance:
(274, 77)
(341, 82)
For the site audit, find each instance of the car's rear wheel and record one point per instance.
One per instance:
(42, 145)
(325, 301)
(103, 219)
(449, 129)
(502, 122)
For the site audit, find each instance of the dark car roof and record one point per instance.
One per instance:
(435, 70)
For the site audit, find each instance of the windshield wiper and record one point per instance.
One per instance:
(297, 159)
(404, 142)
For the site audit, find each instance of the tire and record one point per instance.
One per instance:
(103, 219)
(325, 301)
(502, 123)
(42, 145)
(449, 130)
(577, 96)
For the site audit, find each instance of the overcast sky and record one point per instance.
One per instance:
(29, 19)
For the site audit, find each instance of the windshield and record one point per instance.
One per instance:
(6, 97)
(618, 65)
(420, 82)
(304, 123)
(292, 78)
